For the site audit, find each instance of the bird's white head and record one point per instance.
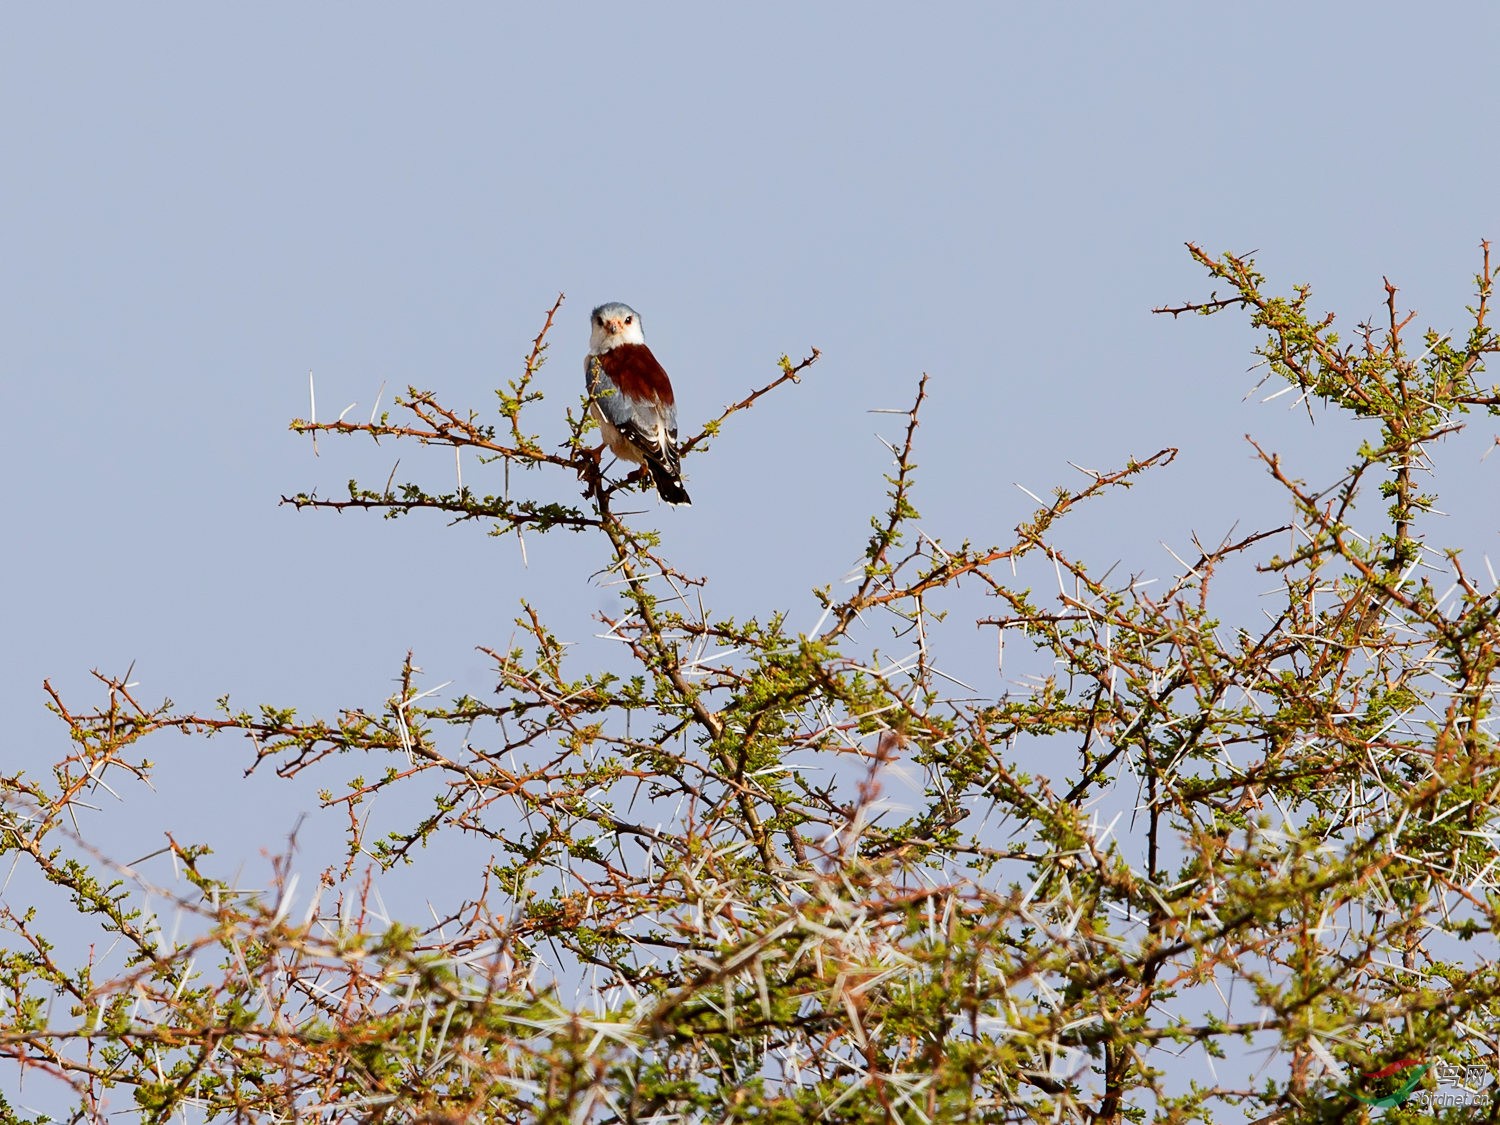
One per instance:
(614, 324)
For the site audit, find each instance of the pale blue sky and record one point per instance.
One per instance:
(199, 204)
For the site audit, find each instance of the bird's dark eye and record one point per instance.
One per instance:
(630, 320)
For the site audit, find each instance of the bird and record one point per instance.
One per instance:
(631, 398)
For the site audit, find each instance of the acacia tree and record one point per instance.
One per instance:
(1269, 839)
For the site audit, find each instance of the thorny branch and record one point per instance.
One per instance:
(737, 872)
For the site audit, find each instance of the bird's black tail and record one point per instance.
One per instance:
(668, 480)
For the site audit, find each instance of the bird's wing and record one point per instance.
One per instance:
(634, 393)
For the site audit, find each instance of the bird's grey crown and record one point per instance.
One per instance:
(614, 308)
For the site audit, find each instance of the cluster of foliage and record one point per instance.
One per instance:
(1261, 863)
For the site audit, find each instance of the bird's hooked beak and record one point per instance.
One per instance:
(614, 325)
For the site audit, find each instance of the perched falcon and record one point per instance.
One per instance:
(631, 398)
